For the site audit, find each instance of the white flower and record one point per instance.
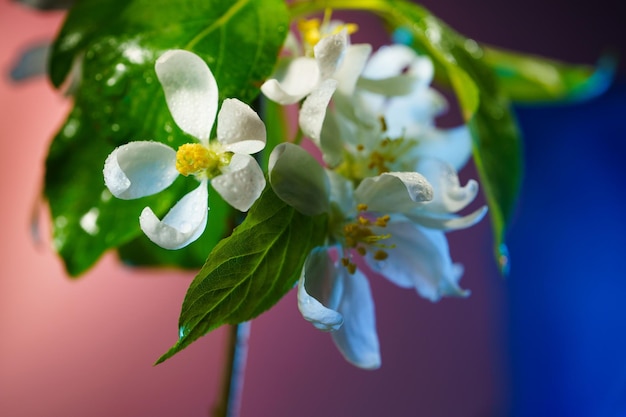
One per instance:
(143, 168)
(385, 220)
(393, 100)
(313, 78)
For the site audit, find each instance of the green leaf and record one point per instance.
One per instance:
(533, 79)
(119, 100)
(249, 271)
(496, 139)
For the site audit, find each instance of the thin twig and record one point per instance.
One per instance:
(234, 370)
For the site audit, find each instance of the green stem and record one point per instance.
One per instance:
(232, 382)
(300, 9)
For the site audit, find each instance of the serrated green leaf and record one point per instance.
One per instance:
(119, 100)
(249, 271)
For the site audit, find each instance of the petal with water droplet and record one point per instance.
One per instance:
(394, 192)
(241, 182)
(239, 128)
(449, 196)
(139, 169)
(313, 111)
(182, 225)
(329, 52)
(190, 91)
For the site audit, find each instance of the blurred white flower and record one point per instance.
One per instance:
(143, 168)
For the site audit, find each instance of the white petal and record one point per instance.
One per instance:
(350, 69)
(316, 289)
(411, 115)
(393, 60)
(140, 168)
(451, 145)
(184, 223)
(449, 196)
(332, 139)
(241, 182)
(292, 81)
(393, 86)
(313, 109)
(298, 179)
(394, 192)
(420, 259)
(190, 91)
(342, 193)
(357, 338)
(329, 52)
(447, 222)
(240, 128)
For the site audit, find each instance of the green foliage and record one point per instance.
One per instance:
(531, 79)
(115, 44)
(251, 270)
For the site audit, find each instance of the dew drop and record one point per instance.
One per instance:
(504, 262)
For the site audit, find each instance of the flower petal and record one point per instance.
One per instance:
(316, 288)
(313, 110)
(351, 67)
(241, 182)
(421, 259)
(190, 91)
(329, 53)
(357, 339)
(239, 128)
(447, 222)
(451, 145)
(298, 179)
(394, 192)
(293, 81)
(393, 60)
(140, 168)
(184, 223)
(410, 116)
(449, 196)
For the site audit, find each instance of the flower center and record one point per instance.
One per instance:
(201, 161)
(361, 236)
(386, 156)
(314, 30)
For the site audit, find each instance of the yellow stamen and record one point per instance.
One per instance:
(310, 30)
(197, 159)
(314, 30)
(380, 255)
(362, 236)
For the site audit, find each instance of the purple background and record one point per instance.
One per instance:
(515, 347)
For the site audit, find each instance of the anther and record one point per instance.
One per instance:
(380, 255)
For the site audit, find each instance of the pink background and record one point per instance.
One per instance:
(86, 347)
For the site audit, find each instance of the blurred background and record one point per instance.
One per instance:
(549, 340)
